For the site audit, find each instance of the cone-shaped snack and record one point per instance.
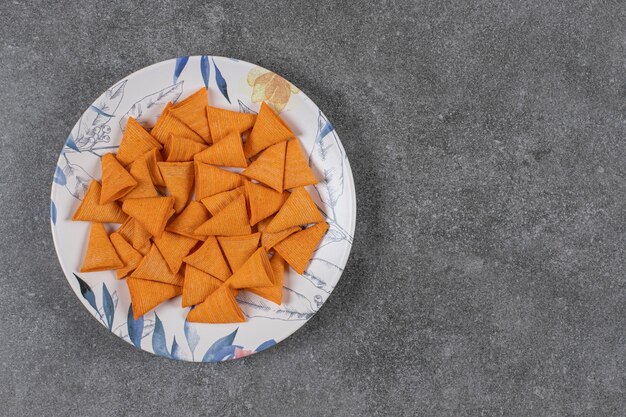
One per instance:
(219, 307)
(145, 295)
(217, 202)
(192, 112)
(262, 225)
(298, 210)
(186, 222)
(275, 292)
(179, 149)
(135, 234)
(154, 268)
(263, 201)
(168, 124)
(238, 249)
(298, 248)
(198, 286)
(255, 272)
(152, 213)
(135, 142)
(174, 248)
(227, 152)
(268, 129)
(100, 254)
(141, 173)
(269, 240)
(297, 170)
(232, 221)
(178, 177)
(211, 180)
(91, 210)
(152, 158)
(209, 259)
(127, 254)
(222, 122)
(269, 167)
(116, 181)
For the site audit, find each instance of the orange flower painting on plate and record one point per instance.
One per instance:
(270, 87)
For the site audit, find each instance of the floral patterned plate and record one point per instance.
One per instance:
(235, 85)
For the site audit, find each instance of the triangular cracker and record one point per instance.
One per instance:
(268, 129)
(227, 152)
(100, 254)
(178, 177)
(209, 258)
(186, 222)
(91, 210)
(192, 112)
(269, 167)
(198, 286)
(275, 292)
(255, 272)
(135, 142)
(231, 221)
(238, 249)
(152, 213)
(168, 124)
(297, 170)
(263, 201)
(129, 255)
(219, 307)
(211, 180)
(179, 149)
(141, 173)
(298, 210)
(116, 181)
(298, 248)
(153, 267)
(217, 202)
(145, 295)
(222, 122)
(174, 248)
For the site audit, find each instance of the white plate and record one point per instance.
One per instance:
(235, 85)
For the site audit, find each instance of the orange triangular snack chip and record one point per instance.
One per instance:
(238, 249)
(255, 272)
(269, 240)
(268, 129)
(262, 225)
(168, 124)
(91, 210)
(178, 149)
(298, 210)
(192, 112)
(298, 248)
(269, 167)
(153, 267)
(219, 307)
(116, 181)
(209, 259)
(145, 295)
(135, 142)
(198, 286)
(174, 248)
(136, 234)
(211, 180)
(232, 221)
(178, 177)
(297, 170)
(217, 202)
(152, 158)
(275, 292)
(141, 173)
(222, 122)
(152, 213)
(127, 254)
(263, 201)
(186, 222)
(227, 152)
(100, 254)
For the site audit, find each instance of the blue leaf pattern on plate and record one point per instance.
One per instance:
(86, 292)
(221, 82)
(108, 306)
(327, 152)
(180, 65)
(298, 307)
(265, 345)
(159, 345)
(221, 349)
(205, 70)
(69, 143)
(135, 327)
(93, 125)
(176, 352)
(245, 109)
(76, 178)
(59, 176)
(53, 212)
(147, 109)
(192, 336)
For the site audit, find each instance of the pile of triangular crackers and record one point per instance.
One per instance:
(237, 233)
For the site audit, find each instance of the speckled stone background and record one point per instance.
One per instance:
(488, 271)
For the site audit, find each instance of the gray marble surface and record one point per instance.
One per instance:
(487, 144)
